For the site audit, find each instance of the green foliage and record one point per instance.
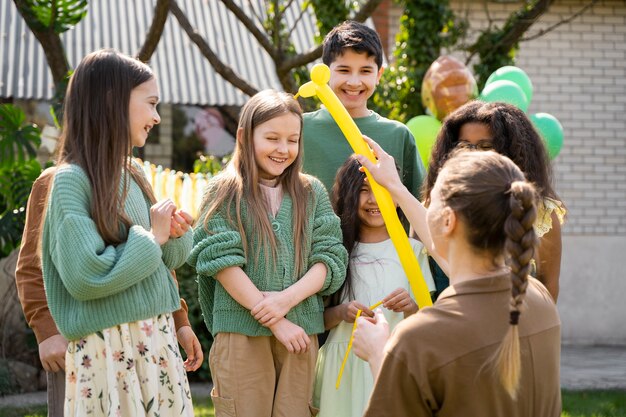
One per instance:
(188, 286)
(496, 47)
(58, 15)
(328, 14)
(18, 141)
(16, 181)
(426, 27)
(491, 55)
(209, 164)
(18, 169)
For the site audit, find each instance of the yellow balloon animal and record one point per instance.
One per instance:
(320, 74)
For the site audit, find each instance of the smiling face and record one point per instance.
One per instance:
(142, 111)
(276, 145)
(353, 78)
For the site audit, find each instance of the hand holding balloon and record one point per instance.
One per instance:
(320, 75)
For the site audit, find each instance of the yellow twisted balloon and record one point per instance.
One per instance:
(320, 75)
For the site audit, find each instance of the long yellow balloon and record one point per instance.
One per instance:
(320, 75)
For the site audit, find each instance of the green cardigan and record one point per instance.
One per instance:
(91, 286)
(222, 248)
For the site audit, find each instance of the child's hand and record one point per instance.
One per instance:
(400, 301)
(181, 221)
(273, 307)
(191, 345)
(160, 220)
(291, 336)
(351, 308)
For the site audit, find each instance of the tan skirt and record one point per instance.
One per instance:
(130, 370)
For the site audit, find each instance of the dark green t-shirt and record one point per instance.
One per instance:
(326, 148)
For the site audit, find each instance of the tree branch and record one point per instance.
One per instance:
(49, 41)
(367, 10)
(562, 22)
(249, 24)
(153, 37)
(526, 20)
(513, 29)
(221, 68)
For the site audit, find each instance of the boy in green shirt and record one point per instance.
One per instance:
(354, 54)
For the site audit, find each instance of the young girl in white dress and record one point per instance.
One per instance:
(374, 274)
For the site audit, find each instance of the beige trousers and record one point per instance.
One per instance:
(258, 377)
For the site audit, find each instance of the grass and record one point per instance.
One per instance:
(607, 403)
(594, 403)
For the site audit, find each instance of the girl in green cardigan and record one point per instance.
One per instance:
(267, 248)
(108, 248)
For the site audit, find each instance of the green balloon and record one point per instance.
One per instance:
(506, 91)
(515, 75)
(424, 130)
(550, 130)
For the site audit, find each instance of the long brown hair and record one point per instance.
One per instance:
(96, 135)
(489, 192)
(513, 136)
(345, 200)
(239, 182)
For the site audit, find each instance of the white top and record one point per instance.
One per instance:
(376, 272)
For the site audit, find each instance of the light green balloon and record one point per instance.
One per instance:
(550, 130)
(515, 75)
(505, 91)
(425, 130)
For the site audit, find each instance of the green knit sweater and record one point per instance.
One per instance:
(91, 286)
(222, 248)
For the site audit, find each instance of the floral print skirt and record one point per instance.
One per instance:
(129, 370)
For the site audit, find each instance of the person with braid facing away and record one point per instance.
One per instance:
(490, 345)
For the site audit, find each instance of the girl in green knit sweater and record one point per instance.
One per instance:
(267, 248)
(108, 248)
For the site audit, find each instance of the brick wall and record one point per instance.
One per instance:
(579, 76)
(161, 153)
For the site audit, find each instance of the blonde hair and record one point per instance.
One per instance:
(239, 182)
(498, 206)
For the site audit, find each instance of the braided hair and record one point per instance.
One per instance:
(498, 206)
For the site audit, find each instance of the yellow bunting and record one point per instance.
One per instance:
(320, 75)
(185, 190)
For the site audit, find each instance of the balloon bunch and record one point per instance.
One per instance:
(511, 85)
(448, 84)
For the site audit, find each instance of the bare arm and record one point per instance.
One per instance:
(385, 173)
(549, 258)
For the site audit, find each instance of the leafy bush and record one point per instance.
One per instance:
(18, 170)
